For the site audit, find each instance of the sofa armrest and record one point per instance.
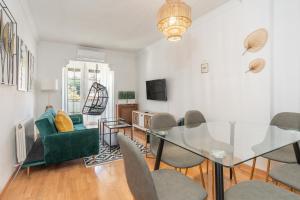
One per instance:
(77, 118)
(71, 145)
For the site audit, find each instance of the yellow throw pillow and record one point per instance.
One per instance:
(63, 122)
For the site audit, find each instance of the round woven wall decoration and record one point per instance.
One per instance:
(256, 65)
(256, 40)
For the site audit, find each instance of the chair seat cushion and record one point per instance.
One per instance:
(288, 174)
(285, 154)
(178, 157)
(171, 185)
(254, 190)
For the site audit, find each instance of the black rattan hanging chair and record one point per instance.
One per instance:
(96, 100)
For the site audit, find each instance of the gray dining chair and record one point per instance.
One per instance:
(254, 190)
(157, 185)
(173, 155)
(284, 120)
(288, 174)
(194, 117)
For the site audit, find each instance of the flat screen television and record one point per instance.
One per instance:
(157, 90)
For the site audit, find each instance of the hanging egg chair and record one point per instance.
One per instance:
(96, 100)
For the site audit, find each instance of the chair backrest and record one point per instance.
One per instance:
(138, 175)
(287, 120)
(162, 121)
(193, 117)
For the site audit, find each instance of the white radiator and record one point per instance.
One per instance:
(25, 138)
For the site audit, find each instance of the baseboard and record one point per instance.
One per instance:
(8, 182)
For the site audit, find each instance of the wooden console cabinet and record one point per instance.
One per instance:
(125, 111)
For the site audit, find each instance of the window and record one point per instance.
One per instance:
(78, 77)
(73, 90)
(93, 75)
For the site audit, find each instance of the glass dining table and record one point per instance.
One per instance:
(226, 144)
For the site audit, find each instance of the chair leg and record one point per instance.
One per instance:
(213, 180)
(202, 177)
(207, 163)
(186, 171)
(268, 170)
(253, 169)
(234, 175)
(28, 171)
(146, 144)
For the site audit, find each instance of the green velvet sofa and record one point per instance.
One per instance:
(59, 147)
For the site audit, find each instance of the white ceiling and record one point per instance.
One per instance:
(118, 24)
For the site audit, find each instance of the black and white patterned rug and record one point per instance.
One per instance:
(106, 156)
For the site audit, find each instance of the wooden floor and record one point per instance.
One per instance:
(71, 180)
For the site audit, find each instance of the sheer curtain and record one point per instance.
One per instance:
(90, 72)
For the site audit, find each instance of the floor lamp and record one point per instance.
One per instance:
(49, 86)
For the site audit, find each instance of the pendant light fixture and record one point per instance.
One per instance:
(173, 19)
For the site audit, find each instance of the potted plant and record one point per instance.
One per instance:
(131, 97)
(122, 97)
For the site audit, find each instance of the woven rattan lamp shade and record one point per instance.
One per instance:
(173, 19)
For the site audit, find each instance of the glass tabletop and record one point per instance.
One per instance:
(228, 143)
(111, 119)
(116, 124)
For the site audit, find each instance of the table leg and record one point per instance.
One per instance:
(159, 154)
(103, 133)
(124, 131)
(230, 173)
(131, 134)
(109, 140)
(219, 184)
(297, 152)
(99, 131)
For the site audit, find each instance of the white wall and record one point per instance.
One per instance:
(226, 92)
(286, 59)
(54, 56)
(15, 106)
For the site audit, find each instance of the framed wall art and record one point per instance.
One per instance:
(8, 46)
(204, 68)
(30, 71)
(23, 68)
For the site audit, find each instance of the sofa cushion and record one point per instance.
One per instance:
(63, 122)
(45, 124)
(76, 118)
(51, 111)
(79, 127)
